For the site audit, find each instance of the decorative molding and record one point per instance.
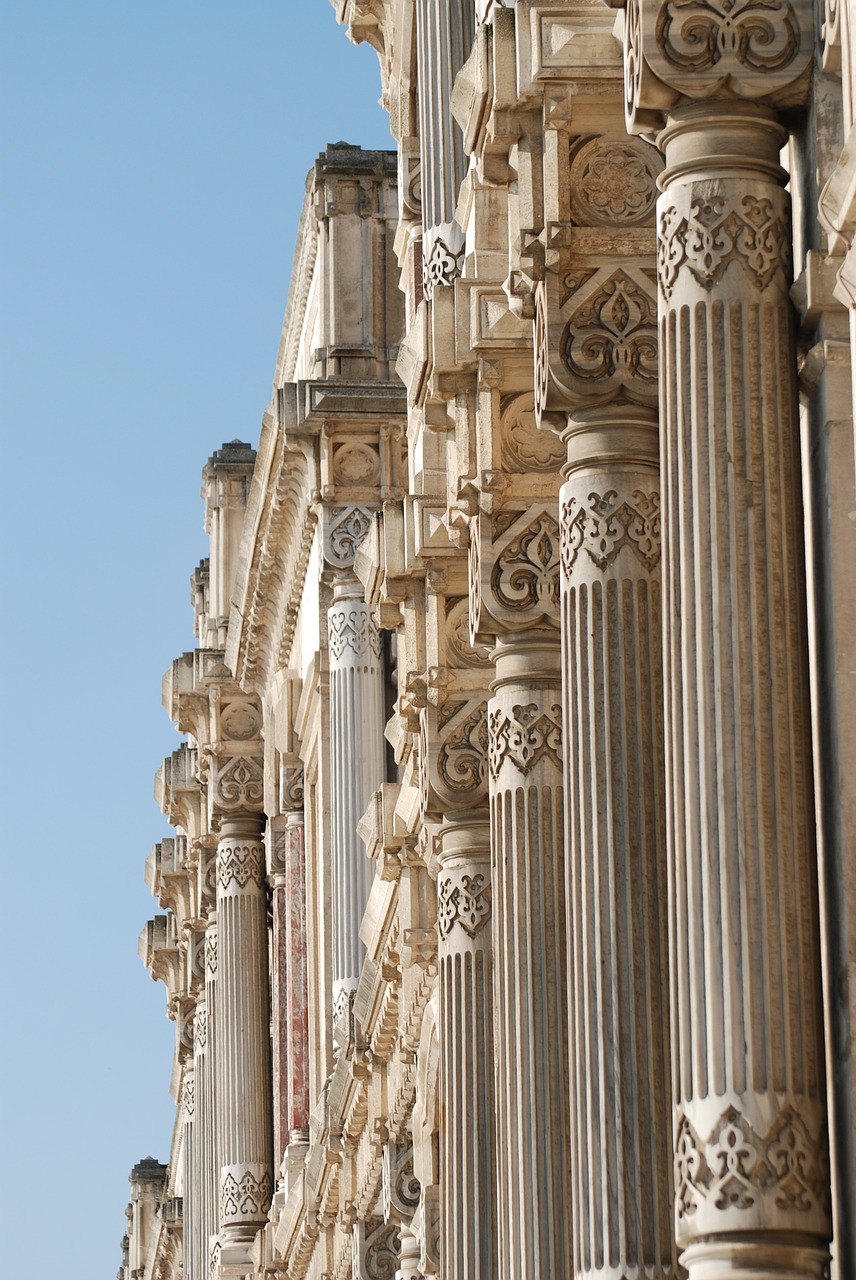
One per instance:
(525, 737)
(605, 523)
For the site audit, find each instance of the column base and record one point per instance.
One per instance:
(757, 1257)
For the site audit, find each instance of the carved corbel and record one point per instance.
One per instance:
(513, 570)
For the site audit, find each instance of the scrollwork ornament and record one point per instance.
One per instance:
(610, 340)
(245, 1194)
(375, 1255)
(701, 49)
(462, 758)
(441, 267)
(525, 574)
(345, 527)
(239, 785)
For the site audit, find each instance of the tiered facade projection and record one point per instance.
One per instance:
(510, 916)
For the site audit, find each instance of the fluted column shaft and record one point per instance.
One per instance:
(616, 847)
(525, 723)
(468, 1225)
(751, 1148)
(192, 1267)
(279, 979)
(243, 1035)
(297, 992)
(357, 753)
(205, 1045)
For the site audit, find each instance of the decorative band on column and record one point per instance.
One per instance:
(240, 866)
(245, 1193)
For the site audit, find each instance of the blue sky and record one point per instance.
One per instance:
(153, 159)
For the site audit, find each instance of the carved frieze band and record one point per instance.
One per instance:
(464, 900)
(245, 1193)
(704, 235)
(601, 525)
(211, 952)
(738, 1168)
(353, 632)
(240, 865)
(525, 737)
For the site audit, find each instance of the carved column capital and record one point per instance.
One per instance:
(679, 51)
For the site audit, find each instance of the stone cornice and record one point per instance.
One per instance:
(302, 271)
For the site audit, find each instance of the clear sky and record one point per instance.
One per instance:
(153, 157)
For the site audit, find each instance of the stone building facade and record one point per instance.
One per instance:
(510, 916)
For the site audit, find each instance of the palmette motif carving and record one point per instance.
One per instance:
(604, 524)
(612, 336)
(729, 37)
(239, 785)
(244, 1194)
(462, 758)
(211, 952)
(188, 1095)
(290, 787)
(737, 1169)
(525, 575)
(345, 527)
(465, 901)
(525, 737)
(441, 267)
(716, 233)
(375, 1255)
(240, 865)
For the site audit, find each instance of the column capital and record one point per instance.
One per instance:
(677, 51)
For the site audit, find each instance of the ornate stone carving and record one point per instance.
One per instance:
(239, 785)
(460, 652)
(737, 1169)
(610, 337)
(188, 1095)
(441, 266)
(465, 900)
(344, 528)
(211, 951)
(714, 233)
(356, 464)
(239, 721)
(245, 1192)
(702, 49)
(525, 447)
(290, 785)
(461, 760)
(613, 182)
(401, 1189)
(525, 572)
(605, 523)
(525, 737)
(375, 1255)
(200, 1036)
(240, 864)
(351, 629)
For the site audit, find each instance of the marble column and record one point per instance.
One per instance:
(275, 839)
(205, 1045)
(528, 883)
(468, 1167)
(751, 1146)
(357, 754)
(192, 1261)
(243, 1033)
(297, 996)
(616, 846)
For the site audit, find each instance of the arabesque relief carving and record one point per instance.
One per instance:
(605, 523)
(715, 233)
(525, 737)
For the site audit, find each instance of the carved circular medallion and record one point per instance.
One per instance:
(525, 446)
(614, 182)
